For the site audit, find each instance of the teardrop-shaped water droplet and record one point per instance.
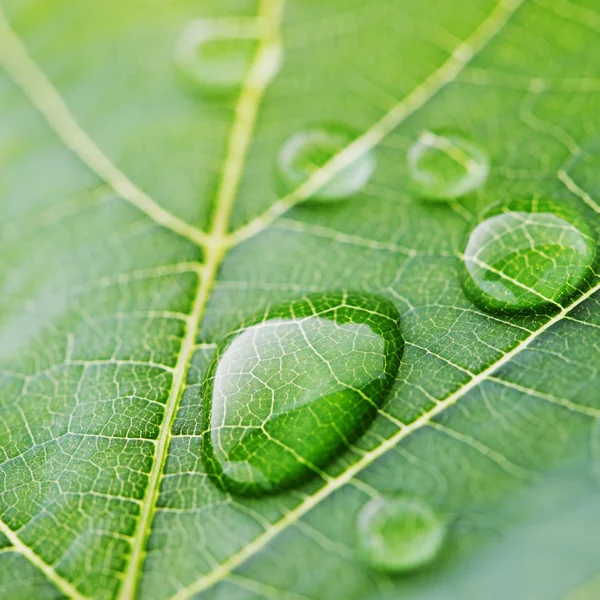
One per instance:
(397, 534)
(446, 164)
(289, 388)
(527, 256)
(308, 150)
(213, 56)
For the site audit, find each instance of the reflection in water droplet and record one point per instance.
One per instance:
(398, 534)
(214, 55)
(310, 149)
(291, 387)
(446, 164)
(527, 255)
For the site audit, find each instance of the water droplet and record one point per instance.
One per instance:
(527, 256)
(214, 55)
(290, 387)
(310, 149)
(446, 164)
(400, 533)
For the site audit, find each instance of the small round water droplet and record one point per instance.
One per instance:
(398, 534)
(527, 256)
(290, 387)
(308, 150)
(446, 164)
(214, 55)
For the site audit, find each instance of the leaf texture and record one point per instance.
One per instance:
(141, 224)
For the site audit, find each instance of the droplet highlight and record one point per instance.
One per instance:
(398, 534)
(444, 165)
(291, 387)
(527, 256)
(213, 56)
(307, 151)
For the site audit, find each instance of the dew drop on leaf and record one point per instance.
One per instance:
(446, 164)
(306, 151)
(292, 386)
(527, 256)
(397, 534)
(213, 56)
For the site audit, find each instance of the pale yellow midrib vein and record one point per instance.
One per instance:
(128, 588)
(365, 461)
(18, 546)
(257, 80)
(15, 58)
(439, 79)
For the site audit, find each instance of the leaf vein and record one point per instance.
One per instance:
(463, 54)
(16, 60)
(240, 136)
(50, 573)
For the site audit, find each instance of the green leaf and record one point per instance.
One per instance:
(141, 223)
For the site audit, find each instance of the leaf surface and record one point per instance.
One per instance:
(142, 223)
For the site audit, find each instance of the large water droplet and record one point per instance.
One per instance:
(446, 164)
(398, 534)
(289, 388)
(214, 55)
(527, 256)
(310, 149)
